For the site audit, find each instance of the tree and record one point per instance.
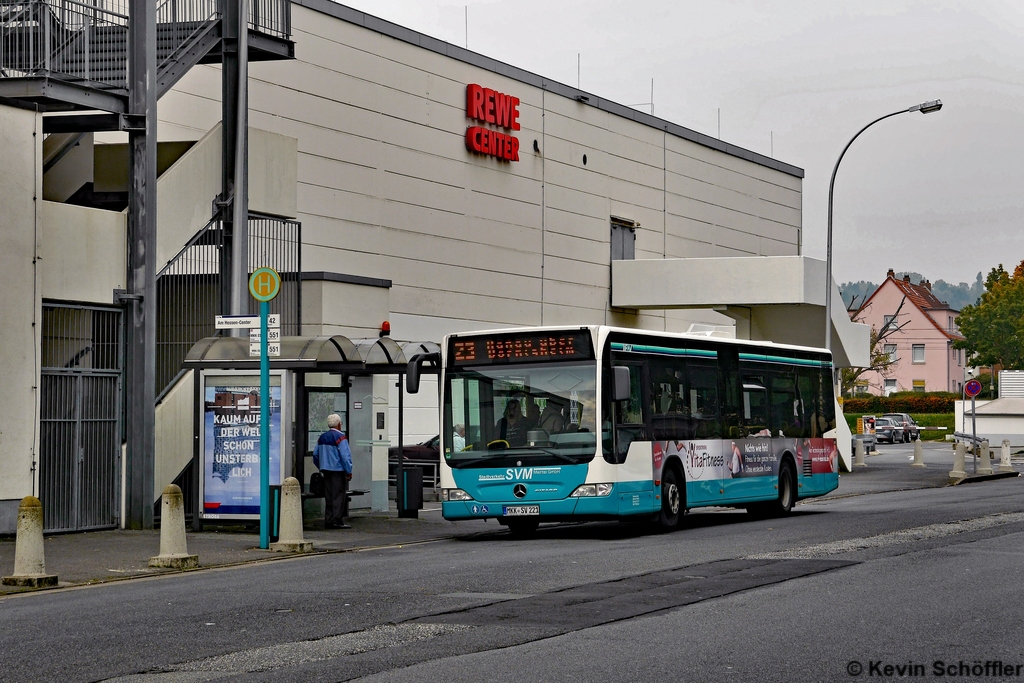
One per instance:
(993, 329)
(881, 362)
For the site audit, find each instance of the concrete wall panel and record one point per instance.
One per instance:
(83, 252)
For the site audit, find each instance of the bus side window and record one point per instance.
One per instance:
(669, 417)
(755, 406)
(702, 380)
(786, 413)
(827, 401)
(630, 423)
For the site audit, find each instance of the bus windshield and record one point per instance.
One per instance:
(546, 412)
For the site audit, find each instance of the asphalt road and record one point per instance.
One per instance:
(902, 578)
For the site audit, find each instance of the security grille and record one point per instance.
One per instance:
(80, 417)
(188, 289)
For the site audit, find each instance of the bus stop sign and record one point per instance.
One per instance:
(972, 388)
(264, 284)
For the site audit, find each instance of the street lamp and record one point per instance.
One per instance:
(924, 108)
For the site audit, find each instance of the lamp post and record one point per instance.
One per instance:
(924, 108)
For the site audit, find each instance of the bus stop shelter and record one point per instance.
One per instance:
(356, 361)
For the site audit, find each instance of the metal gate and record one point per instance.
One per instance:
(80, 417)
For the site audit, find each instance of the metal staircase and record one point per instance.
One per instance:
(62, 55)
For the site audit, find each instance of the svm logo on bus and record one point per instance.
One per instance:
(519, 473)
(264, 284)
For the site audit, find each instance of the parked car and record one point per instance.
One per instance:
(911, 430)
(888, 430)
(428, 450)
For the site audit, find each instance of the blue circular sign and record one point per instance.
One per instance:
(972, 388)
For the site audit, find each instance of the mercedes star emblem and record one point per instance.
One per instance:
(519, 490)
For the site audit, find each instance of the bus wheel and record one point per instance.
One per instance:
(673, 500)
(522, 528)
(787, 490)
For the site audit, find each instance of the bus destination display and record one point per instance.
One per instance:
(521, 348)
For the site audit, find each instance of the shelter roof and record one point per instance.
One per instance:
(383, 355)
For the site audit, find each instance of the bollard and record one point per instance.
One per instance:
(173, 551)
(29, 566)
(985, 462)
(858, 457)
(290, 535)
(1004, 458)
(918, 454)
(958, 472)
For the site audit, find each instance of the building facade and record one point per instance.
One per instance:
(919, 331)
(435, 188)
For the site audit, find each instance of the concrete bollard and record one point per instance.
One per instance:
(1004, 458)
(959, 458)
(290, 535)
(858, 456)
(173, 551)
(918, 454)
(29, 565)
(985, 459)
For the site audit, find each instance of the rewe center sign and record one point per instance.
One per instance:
(490, 106)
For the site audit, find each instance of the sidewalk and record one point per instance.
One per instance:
(890, 470)
(100, 556)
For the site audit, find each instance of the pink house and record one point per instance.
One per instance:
(923, 344)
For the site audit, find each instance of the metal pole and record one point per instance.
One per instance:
(140, 328)
(264, 429)
(400, 471)
(828, 248)
(240, 204)
(974, 434)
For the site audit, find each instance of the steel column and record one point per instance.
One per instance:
(140, 326)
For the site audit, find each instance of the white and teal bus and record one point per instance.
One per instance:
(603, 423)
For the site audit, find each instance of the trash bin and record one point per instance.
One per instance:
(412, 492)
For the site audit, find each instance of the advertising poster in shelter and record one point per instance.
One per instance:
(231, 444)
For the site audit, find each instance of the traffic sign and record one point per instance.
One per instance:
(972, 388)
(273, 349)
(264, 284)
(241, 322)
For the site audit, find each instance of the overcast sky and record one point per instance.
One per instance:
(940, 194)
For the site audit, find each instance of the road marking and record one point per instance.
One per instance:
(912, 535)
(306, 651)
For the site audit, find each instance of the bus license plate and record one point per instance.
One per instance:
(520, 510)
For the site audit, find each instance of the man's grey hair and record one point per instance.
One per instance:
(334, 420)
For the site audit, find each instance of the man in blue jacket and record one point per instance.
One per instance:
(333, 458)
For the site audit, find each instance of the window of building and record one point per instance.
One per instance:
(890, 386)
(861, 387)
(888, 319)
(919, 385)
(623, 239)
(890, 351)
(918, 353)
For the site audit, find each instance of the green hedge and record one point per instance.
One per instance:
(922, 419)
(903, 402)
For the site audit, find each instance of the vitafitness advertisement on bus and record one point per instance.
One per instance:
(232, 435)
(716, 460)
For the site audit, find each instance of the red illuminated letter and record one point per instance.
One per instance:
(515, 148)
(503, 104)
(475, 102)
(515, 114)
(489, 105)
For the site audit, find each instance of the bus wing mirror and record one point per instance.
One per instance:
(415, 367)
(620, 383)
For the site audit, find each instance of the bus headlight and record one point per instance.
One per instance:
(591, 490)
(454, 494)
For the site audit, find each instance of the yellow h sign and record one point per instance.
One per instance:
(264, 284)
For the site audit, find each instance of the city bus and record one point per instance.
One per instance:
(602, 423)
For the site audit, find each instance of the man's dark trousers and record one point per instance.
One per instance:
(335, 497)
